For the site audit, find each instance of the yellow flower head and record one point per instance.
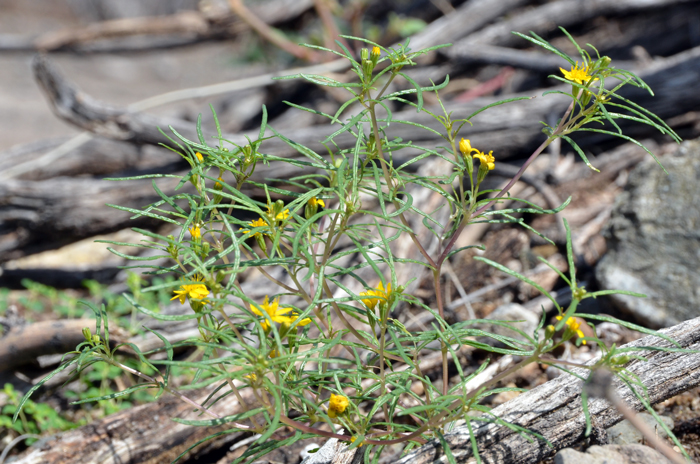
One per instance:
(195, 232)
(377, 295)
(574, 326)
(486, 160)
(281, 216)
(337, 405)
(316, 202)
(578, 75)
(277, 314)
(195, 291)
(465, 147)
(260, 222)
(376, 51)
(199, 156)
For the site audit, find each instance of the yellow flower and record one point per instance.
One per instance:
(199, 156)
(281, 216)
(486, 160)
(260, 222)
(337, 405)
(376, 51)
(574, 326)
(354, 439)
(196, 291)
(277, 314)
(578, 75)
(315, 202)
(465, 147)
(377, 295)
(195, 232)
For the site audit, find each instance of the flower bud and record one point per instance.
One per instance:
(549, 332)
(374, 56)
(87, 334)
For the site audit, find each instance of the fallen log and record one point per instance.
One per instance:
(510, 130)
(36, 216)
(145, 433)
(554, 408)
(22, 344)
(564, 13)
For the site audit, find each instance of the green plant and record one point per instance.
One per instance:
(34, 418)
(322, 347)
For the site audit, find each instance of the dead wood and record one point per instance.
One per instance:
(98, 156)
(31, 212)
(184, 22)
(139, 435)
(467, 19)
(146, 433)
(508, 130)
(22, 344)
(554, 409)
(214, 21)
(35, 216)
(549, 16)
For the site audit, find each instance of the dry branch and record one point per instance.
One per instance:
(554, 409)
(145, 433)
(468, 18)
(547, 17)
(22, 344)
(508, 130)
(182, 28)
(36, 216)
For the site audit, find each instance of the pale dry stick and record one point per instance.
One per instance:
(460, 289)
(329, 24)
(271, 35)
(187, 400)
(14, 443)
(172, 97)
(651, 437)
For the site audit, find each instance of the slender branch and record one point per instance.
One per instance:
(271, 35)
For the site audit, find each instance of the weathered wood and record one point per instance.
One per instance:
(22, 344)
(145, 433)
(509, 130)
(467, 19)
(139, 435)
(554, 409)
(60, 208)
(142, 32)
(35, 216)
(549, 16)
(98, 156)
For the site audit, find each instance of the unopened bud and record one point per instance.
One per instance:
(87, 334)
(376, 53)
(549, 332)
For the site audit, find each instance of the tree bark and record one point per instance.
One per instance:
(145, 433)
(554, 409)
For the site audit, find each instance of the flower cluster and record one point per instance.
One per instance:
(337, 405)
(487, 160)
